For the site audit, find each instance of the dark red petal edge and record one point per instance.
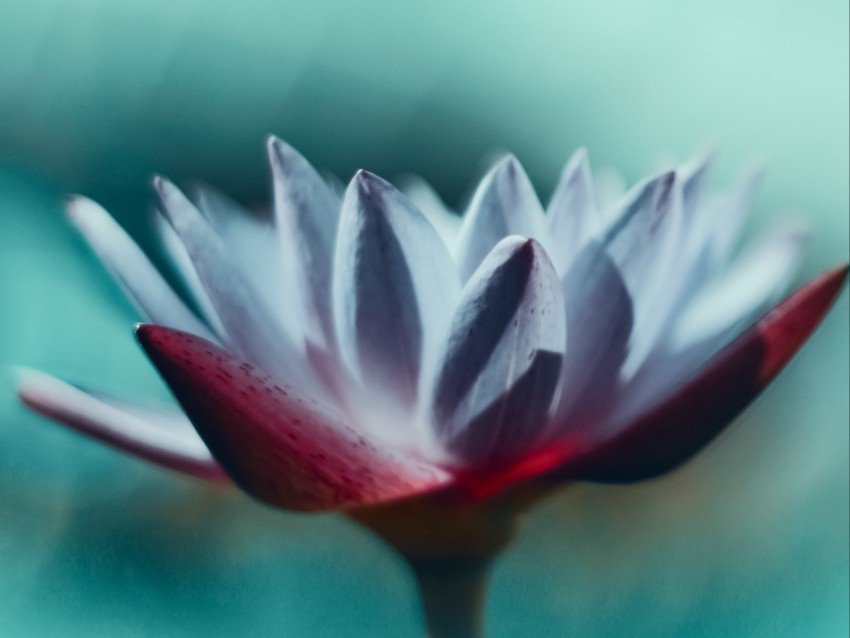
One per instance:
(678, 427)
(275, 442)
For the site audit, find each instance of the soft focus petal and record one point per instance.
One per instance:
(425, 198)
(758, 277)
(151, 294)
(729, 212)
(252, 328)
(254, 248)
(307, 212)
(166, 439)
(610, 187)
(694, 175)
(642, 240)
(599, 326)
(275, 442)
(504, 204)
(394, 289)
(572, 215)
(502, 362)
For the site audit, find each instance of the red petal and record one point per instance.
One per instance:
(692, 415)
(276, 443)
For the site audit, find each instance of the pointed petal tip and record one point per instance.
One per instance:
(508, 166)
(367, 183)
(77, 207)
(280, 153)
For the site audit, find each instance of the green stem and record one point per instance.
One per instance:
(453, 592)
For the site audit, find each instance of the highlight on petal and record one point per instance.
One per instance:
(572, 216)
(273, 440)
(131, 268)
(691, 413)
(163, 438)
(504, 204)
(642, 241)
(502, 362)
(251, 327)
(394, 289)
(307, 213)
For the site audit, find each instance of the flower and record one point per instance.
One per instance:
(371, 347)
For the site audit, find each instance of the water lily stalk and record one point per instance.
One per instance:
(431, 374)
(450, 548)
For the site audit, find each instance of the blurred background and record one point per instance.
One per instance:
(749, 540)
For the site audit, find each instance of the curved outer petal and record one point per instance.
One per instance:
(502, 362)
(307, 213)
(672, 429)
(166, 439)
(572, 216)
(252, 328)
(394, 290)
(131, 268)
(504, 204)
(275, 442)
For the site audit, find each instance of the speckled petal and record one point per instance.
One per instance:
(274, 441)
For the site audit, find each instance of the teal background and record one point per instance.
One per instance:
(749, 540)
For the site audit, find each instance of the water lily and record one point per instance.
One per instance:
(372, 352)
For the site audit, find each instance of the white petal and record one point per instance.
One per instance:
(643, 241)
(165, 438)
(425, 198)
(131, 268)
(504, 204)
(599, 319)
(182, 263)
(610, 188)
(307, 213)
(730, 212)
(500, 369)
(253, 330)
(572, 215)
(756, 279)
(253, 247)
(394, 288)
